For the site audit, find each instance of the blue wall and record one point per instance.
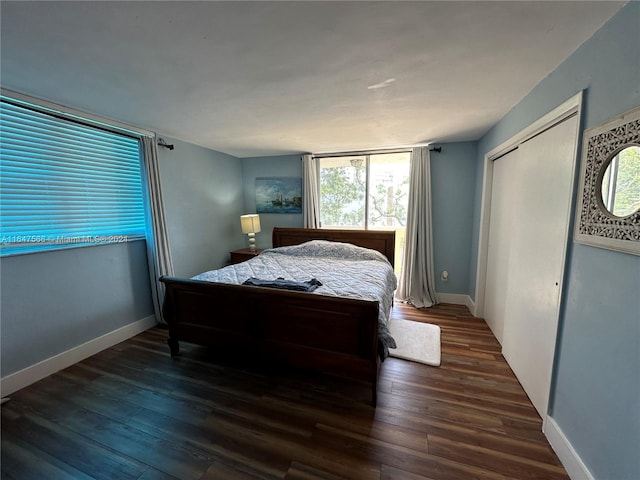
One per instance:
(54, 301)
(596, 391)
(453, 185)
(276, 166)
(202, 192)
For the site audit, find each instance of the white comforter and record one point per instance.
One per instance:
(345, 270)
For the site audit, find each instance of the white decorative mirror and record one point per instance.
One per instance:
(608, 207)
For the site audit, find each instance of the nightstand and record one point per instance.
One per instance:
(243, 254)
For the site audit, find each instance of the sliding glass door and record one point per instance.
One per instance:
(367, 191)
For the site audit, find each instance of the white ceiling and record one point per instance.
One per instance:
(271, 78)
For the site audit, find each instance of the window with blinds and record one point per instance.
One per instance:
(64, 183)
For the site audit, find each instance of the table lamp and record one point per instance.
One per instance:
(250, 225)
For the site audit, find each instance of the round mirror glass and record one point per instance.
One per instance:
(621, 183)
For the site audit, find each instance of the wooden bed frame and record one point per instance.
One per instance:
(333, 335)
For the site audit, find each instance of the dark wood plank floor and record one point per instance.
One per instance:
(132, 412)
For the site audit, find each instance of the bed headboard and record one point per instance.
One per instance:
(380, 240)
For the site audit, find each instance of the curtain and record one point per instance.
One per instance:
(417, 280)
(158, 252)
(311, 201)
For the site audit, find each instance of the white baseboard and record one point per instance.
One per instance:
(25, 377)
(457, 299)
(471, 305)
(573, 464)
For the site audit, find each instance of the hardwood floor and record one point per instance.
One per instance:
(132, 412)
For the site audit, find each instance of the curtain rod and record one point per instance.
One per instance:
(371, 152)
(164, 144)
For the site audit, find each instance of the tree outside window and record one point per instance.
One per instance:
(368, 191)
(621, 183)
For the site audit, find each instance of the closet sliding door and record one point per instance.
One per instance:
(503, 188)
(531, 200)
(538, 248)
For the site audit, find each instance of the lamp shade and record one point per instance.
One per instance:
(250, 223)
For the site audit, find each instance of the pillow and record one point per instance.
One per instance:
(327, 249)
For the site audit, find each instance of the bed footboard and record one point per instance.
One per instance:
(332, 335)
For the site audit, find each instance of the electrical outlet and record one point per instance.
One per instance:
(444, 276)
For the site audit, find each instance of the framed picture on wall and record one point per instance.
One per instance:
(279, 195)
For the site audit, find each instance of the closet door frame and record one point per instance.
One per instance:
(572, 106)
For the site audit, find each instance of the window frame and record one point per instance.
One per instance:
(367, 155)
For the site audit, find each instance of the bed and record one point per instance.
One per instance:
(323, 330)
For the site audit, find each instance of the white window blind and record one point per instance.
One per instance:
(64, 183)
